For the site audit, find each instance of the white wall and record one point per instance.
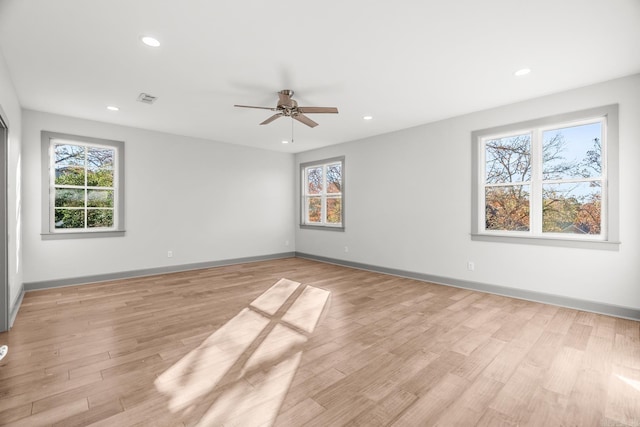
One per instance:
(408, 205)
(203, 200)
(10, 107)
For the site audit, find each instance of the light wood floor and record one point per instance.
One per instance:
(188, 349)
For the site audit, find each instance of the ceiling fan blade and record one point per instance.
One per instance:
(251, 106)
(272, 118)
(316, 110)
(304, 119)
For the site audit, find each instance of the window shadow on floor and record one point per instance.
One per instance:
(241, 373)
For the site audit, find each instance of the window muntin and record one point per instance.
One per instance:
(545, 181)
(83, 186)
(322, 194)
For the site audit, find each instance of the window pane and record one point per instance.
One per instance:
(100, 198)
(69, 164)
(99, 218)
(314, 180)
(334, 210)
(100, 158)
(69, 218)
(507, 208)
(572, 152)
(69, 197)
(572, 208)
(334, 178)
(100, 167)
(100, 178)
(314, 209)
(508, 159)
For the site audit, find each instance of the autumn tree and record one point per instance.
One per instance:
(324, 183)
(565, 207)
(508, 163)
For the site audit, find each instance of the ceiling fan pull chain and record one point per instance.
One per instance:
(292, 129)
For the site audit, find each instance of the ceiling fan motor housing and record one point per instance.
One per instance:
(285, 101)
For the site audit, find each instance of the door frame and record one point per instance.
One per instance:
(4, 220)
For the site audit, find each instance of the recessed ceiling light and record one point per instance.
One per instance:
(522, 72)
(285, 142)
(367, 118)
(150, 41)
(112, 108)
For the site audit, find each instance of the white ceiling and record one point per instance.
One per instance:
(405, 62)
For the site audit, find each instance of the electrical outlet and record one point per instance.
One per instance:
(346, 248)
(169, 254)
(471, 266)
(286, 243)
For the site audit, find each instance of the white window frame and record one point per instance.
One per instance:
(609, 236)
(304, 213)
(49, 232)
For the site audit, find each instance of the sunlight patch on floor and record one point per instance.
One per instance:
(274, 298)
(633, 383)
(201, 369)
(306, 310)
(241, 373)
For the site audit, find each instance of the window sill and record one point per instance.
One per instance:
(321, 227)
(82, 235)
(544, 241)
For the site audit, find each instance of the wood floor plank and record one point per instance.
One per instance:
(584, 407)
(578, 336)
(470, 343)
(470, 406)
(392, 378)
(53, 415)
(354, 381)
(546, 408)
(342, 412)
(432, 374)
(622, 401)
(507, 361)
(386, 410)
(300, 414)
(562, 321)
(15, 413)
(301, 390)
(493, 418)
(93, 414)
(473, 365)
(627, 351)
(358, 349)
(426, 409)
(512, 401)
(562, 374)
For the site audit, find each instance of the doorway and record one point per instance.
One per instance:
(4, 282)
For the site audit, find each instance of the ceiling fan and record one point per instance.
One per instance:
(288, 107)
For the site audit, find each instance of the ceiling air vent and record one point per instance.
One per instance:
(146, 98)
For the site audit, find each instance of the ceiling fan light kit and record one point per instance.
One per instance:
(288, 107)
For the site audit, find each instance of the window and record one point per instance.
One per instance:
(552, 179)
(83, 191)
(323, 194)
